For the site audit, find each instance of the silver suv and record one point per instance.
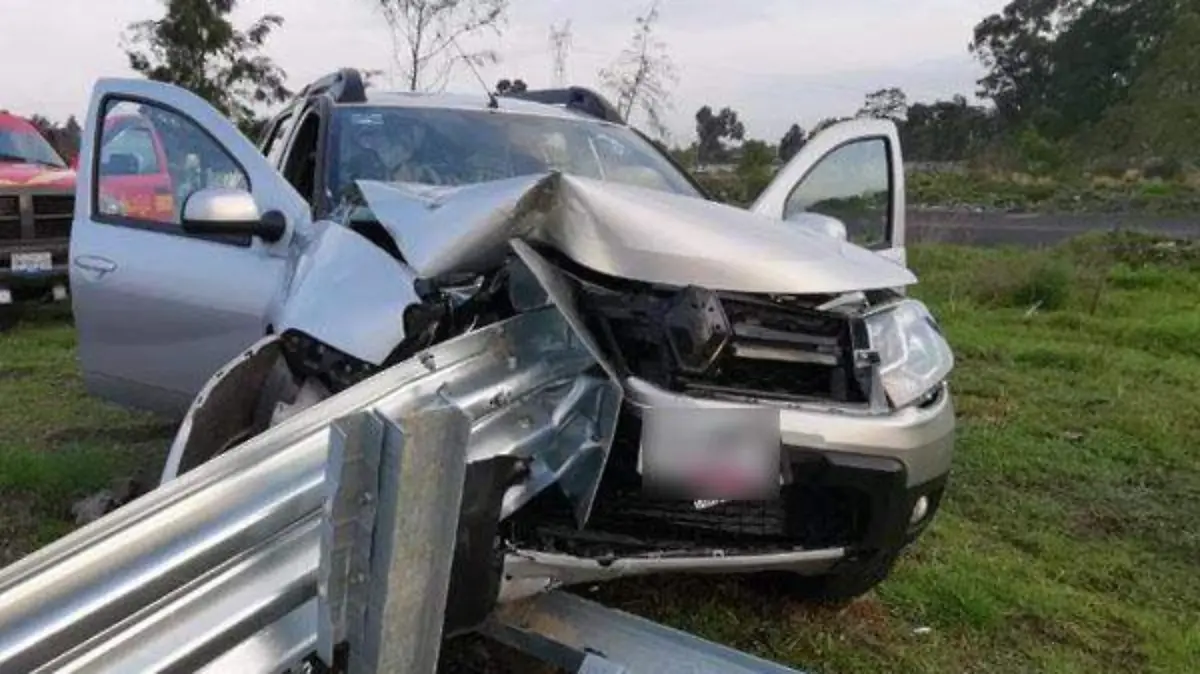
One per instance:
(766, 399)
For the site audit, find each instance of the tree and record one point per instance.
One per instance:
(1159, 121)
(425, 36)
(712, 129)
(754, 169)
(791, 142)
(1059, 64)
(64, 139)
(891, 103)
(197, 47)
(946, 130)
(560, 46)
(643, 74)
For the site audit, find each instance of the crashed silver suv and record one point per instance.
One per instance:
(758, 394)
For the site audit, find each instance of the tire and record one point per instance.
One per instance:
(845, 583)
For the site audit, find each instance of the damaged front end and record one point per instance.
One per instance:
(613, 307)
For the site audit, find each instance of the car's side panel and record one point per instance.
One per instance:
(157, 312)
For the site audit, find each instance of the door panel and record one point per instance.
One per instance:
(158, 311)
(852, 171)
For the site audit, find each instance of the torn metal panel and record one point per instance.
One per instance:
(349, 294)
(530, 572)
(620, 230)
(223, 412)
(591, 459)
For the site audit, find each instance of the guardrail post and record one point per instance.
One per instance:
(395, 489)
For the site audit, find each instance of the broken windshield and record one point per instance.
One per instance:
(438, 146)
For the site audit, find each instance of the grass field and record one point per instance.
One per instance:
(1069, 541)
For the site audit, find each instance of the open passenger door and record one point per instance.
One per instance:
(178, 246)
(852, 171)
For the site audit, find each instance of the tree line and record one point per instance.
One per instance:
(1066, 80)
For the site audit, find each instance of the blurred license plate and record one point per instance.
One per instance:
(31, 262)
(711, 453)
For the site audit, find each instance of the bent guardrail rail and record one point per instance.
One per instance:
(337, 526)
(244, 528)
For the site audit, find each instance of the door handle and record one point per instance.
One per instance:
(95, 264)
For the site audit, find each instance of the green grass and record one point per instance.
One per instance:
(1069, 539)
(58, 444)
(1071, 192)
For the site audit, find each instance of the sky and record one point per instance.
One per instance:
(776, 62)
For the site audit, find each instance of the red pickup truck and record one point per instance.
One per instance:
(37, 204)
(37, 201)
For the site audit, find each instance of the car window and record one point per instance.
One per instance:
(853, 184)
(151, 160)
(26, 144)
(456, 147)
(136, 141)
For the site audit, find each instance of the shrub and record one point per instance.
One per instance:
(1023, 281)
(1163, 169)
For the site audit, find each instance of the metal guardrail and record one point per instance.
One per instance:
(248, 516)
(336, 527)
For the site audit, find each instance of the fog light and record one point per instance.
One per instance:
(920, 510)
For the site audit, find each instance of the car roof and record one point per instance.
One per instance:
(445, 101)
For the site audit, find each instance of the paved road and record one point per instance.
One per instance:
(992, 229)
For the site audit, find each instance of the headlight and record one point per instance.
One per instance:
(914, 357)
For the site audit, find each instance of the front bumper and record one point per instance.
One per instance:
(32, 286)
(855, 482)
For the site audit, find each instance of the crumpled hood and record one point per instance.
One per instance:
(624, 231)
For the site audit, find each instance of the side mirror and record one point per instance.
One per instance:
(821, 223)
(224, 211)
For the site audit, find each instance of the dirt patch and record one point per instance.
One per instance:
(19, 521)
(865, 617)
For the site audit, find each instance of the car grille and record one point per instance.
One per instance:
(52, 215)
(40, 217)
(10, 217)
